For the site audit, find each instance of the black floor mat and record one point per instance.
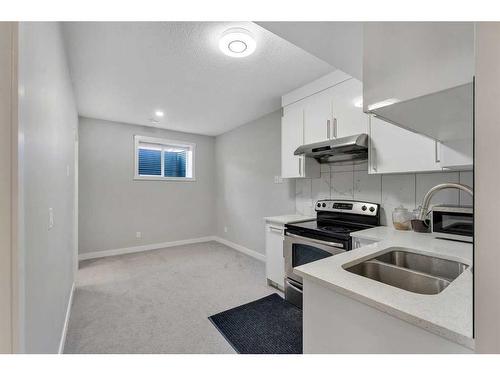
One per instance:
(269, 325)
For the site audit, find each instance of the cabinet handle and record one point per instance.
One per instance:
(335, 126)
(374, 159)
(275, 229)
(436, 152)
(300, 166)
(328, 129)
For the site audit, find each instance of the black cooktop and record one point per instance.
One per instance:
(327, 228)
(337, 219)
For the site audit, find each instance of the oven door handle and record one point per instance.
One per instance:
(294, 285)
(314, 240)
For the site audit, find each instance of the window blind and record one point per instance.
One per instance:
(175, 163)
(164, 159)
(149, 162)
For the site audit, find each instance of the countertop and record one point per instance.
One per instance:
(286, 219)
(447, 314)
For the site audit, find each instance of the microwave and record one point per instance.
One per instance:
(453, 222)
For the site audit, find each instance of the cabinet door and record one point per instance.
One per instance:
(348, 116)
(275, 264)
(397, 150)
(318, 117)
(292, 136)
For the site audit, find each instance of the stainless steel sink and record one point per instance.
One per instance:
(438, 267)
(410, 271)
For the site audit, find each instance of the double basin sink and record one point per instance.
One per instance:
(405, 269)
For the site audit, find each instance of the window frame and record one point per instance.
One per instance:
(138, 139)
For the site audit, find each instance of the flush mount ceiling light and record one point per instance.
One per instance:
(159, 113)
(237, 42)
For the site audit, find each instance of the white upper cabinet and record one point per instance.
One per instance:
(348, 116)
(393, 149)
(292, 136)
(335, 112)
(419, 75)
(318, 117)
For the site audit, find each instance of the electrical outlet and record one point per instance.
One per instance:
(67, 171)
(225, 229)
(138, 235)
(278, 179)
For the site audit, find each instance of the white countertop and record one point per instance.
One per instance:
(286, 219)
(448, 314)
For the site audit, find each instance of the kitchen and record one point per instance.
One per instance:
(232, 187)
(351, 150)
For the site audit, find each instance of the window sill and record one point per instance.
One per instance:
(173, 179)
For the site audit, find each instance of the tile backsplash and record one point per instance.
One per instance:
(391, 190)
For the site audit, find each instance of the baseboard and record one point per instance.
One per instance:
(241, 249)
(66, 321)
(138, 249)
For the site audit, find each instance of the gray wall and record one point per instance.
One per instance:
(113, 207)
(246, 160)
(7, 32)
(48, 122)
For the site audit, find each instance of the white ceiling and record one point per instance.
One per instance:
(125, 71)
(338, 43)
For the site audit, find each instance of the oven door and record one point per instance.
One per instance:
(299, 250)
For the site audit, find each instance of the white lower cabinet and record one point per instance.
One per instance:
(393, 149)
(336, 324)
(275, 263)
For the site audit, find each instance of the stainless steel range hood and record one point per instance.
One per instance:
(352, 148)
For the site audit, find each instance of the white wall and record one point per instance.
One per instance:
(354, 182)
(247, 159)
(113, 206)
(48, 122)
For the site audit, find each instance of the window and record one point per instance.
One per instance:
(163, 159)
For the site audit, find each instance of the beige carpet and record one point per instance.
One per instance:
(159, 301)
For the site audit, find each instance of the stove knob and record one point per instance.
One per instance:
(372, 209)
(319, 205)
(363, 208)
(324, 204)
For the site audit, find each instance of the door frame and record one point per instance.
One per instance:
(9, 265)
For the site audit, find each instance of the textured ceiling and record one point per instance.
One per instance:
(125, 71)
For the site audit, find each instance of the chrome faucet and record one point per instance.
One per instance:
(435, 189)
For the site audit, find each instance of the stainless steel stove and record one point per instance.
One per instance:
(328, 235)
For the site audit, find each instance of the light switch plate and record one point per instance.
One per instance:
(51, 218)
